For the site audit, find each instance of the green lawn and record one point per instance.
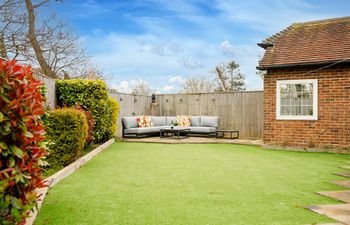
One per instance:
(204, 184)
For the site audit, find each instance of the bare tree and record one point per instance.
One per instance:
(198, 85)
(140, 87)
(39, 54)
(44, 42)
(12, 25)
(229, 77)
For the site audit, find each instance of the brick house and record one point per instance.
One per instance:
(307, 85)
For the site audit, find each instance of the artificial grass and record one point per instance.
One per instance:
(216, 184)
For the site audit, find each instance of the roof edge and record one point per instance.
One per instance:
(330, 20)
(264, 45)
(321, 63)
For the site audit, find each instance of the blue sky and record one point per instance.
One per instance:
(166, 41)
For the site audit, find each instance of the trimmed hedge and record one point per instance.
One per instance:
(66, 131)
(93, 96)
(113, 109)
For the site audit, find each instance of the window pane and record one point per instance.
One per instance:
(284, 90)
(296, 99)
(306, 110)
(285, 110)
(285, 101)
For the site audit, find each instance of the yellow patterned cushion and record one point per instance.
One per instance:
(144, 121)
(184, 121)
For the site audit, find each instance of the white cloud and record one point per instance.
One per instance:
(168, 88)
(122, 87)
(126, 86)
(227, 48)
(191, 63)
(177, 79)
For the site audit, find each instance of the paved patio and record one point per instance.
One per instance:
(195, 140)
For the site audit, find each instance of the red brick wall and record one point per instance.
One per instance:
(331, 130)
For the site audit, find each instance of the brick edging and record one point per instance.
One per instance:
(63, 173)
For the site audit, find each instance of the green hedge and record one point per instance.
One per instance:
(93, 96)
(66, 131)
(113, 109)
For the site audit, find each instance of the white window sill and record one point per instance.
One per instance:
(296, 118)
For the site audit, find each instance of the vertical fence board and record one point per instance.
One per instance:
(50, 85)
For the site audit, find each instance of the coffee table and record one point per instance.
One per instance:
(177, 132)
(221, 133)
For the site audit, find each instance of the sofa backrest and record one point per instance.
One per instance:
(129, 122)
(197, 121)
(210, 121)
(158, 120)
(169, 119)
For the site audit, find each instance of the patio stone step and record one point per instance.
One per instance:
(342, 195)
(343, 174)
(344, 183)
(339, 212)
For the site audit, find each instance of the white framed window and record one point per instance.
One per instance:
(296, 100)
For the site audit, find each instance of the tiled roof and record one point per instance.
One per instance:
(316, 42)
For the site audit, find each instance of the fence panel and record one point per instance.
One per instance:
(50, 89)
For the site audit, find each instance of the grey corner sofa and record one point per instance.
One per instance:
(204, 125)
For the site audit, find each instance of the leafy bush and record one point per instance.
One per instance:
(90, 122)
(93, 96)
(66, 131)
(21, 141)
(113, 110)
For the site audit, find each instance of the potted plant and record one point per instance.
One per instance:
(174, 123)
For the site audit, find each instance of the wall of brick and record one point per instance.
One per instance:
(331, 130)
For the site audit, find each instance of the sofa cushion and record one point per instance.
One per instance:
(169, 119)
(196, 121)
(142, 130)
(144, 121)
(209, 121)
(158, 120)
(129, 122)
(183, 121)
(204, 130)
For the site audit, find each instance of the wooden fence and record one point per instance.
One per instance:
(241, 111)
(131, 105)
(50, 89)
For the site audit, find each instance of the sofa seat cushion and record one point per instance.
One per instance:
(142, 130)
(130, 122)
(203, 130)
(209, 121)
(158, 120)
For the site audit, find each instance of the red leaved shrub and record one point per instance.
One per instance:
(21, 141)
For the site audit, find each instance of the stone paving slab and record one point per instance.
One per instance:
(342, 195)
(339, 212)
(343, 174)
(344, 183)
(345, 167)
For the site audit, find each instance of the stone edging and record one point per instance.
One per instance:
(63, 173)
(301, 149)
